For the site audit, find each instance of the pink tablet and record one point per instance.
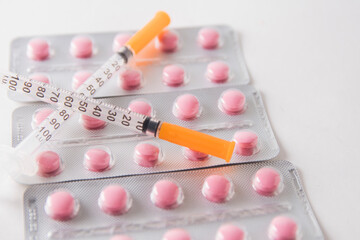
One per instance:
(61, 205)
(173, 75)
(230, 232)
(217, 72)
(130, 79)
(218, 189)
(186, 107)
(40, 77)
(114, 200)
(176, 234)
(195, 155)
(120, 40)
(166, 194)
(38, 49)
(282, 228)
(141, 106)
(121, 237)
(91, 123)
(232, 102)
(208, 38)
(147, 154)
(245, 143)
(97, 159)
(81, 47)
(267, 181)
(49, 163)
(40, 115)
(79, 78)
(167, 41)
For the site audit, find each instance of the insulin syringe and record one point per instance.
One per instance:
(69, 102)
(96, 108)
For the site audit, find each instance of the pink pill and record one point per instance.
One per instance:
(176, 234)
(81, 47)
(173, 75)
(91, 123)
(232, 101)
(120, 40)
(97, 159)
(147, 154)
(186, 107)
(217, 189)
(267, 181)
(130, 79)
(245, 143)
(40, 77)
(167, 41)
(141, 106)
(217, 71)
(282, 228)
(38, 49)
(48, 163)
(79, 78)
(166, 194)
(61, 206)
(40, 115)
(195, 155)
(208, 38)
(121, 237)
(114, 200)
(230, 232)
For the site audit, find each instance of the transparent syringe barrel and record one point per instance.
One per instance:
(49, 127)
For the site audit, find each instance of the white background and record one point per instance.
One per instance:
(304, 57)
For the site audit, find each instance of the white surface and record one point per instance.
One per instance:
(304, 56)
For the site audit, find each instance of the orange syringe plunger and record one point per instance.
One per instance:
(197, 141)
(148, 32)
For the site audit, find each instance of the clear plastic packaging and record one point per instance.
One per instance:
(49, 163)
(61, 205)
(98, 159)
(148, 154)
(115, 200)
(166, 194)
(218, 189)
(82, 46)
(157, 206)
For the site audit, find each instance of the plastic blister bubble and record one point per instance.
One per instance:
(98, 159)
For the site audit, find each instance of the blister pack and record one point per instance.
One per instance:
(183, 58)
(80, 152)
(263, 200)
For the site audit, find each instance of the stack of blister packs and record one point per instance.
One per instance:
(96, 180)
